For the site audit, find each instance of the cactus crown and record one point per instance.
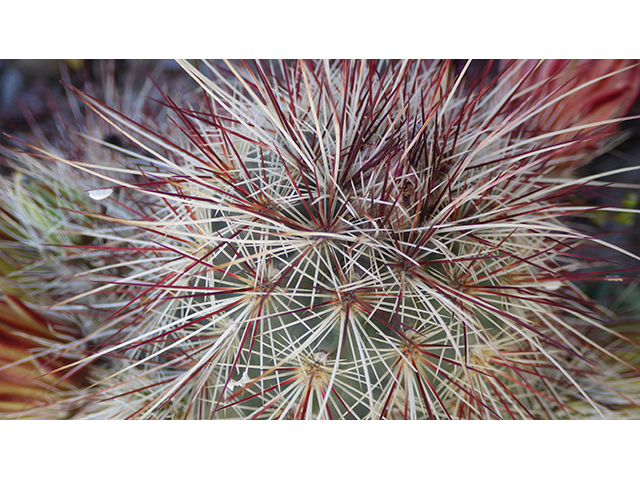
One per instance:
(335, 240)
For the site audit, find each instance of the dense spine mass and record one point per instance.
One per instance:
(323, 240)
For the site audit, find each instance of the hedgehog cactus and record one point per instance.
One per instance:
(329, 240)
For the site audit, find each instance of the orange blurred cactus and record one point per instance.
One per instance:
(32, 376)
(574, 95)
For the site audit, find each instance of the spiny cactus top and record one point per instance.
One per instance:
(330, 240)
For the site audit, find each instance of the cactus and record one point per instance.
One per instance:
(327, 240)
